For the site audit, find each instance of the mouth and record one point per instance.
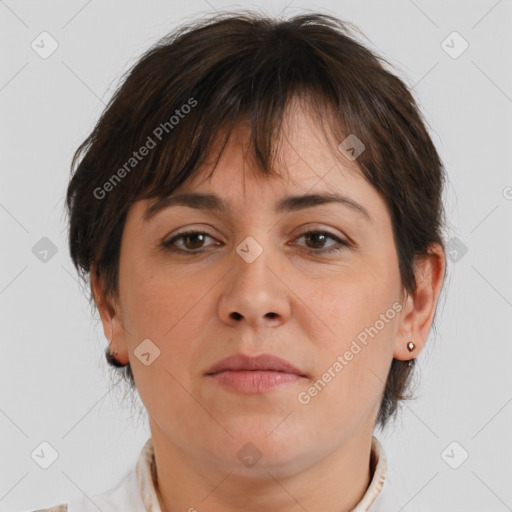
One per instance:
(246, 374)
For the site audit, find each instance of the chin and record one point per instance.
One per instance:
(257, 446)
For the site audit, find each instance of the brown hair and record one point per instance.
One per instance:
(213, 73)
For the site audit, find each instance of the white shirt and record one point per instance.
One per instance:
(136, 490)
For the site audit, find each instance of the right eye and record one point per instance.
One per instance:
(188, 239)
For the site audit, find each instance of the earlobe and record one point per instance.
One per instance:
(407, 350)
(421, 306)
(406, 347)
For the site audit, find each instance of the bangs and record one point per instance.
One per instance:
(255, 98)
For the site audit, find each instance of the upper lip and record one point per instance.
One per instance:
(240, 362)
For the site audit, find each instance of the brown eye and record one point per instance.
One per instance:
(191, 241)
(315, 241)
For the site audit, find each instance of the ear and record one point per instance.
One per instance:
(110, 316)
(420, 308)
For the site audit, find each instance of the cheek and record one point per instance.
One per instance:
(159, 297)
(353, 367)
(160, 308)
(352, 319)
(172, 310)
(346, 303)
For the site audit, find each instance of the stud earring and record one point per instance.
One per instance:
(411, 346)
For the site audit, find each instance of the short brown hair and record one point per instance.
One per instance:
(215, 72)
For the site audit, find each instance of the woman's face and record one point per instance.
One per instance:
(336, 315)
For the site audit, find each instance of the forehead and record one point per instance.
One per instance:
(304, 154)
(307, 161)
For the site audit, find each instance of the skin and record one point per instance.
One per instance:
(315, 456)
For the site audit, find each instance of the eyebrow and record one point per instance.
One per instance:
(214, 203)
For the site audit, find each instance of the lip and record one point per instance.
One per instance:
(249, 374)
(263, 362)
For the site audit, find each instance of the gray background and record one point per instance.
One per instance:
(54, 383)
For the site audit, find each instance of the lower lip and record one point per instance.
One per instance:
(254, 381)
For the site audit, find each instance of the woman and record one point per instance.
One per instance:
(268, 351)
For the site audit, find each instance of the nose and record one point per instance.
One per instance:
(254, 293)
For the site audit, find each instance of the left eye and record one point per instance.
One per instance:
(192, 241)
(319, 237)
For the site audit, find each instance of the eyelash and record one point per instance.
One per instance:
(342, 244)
